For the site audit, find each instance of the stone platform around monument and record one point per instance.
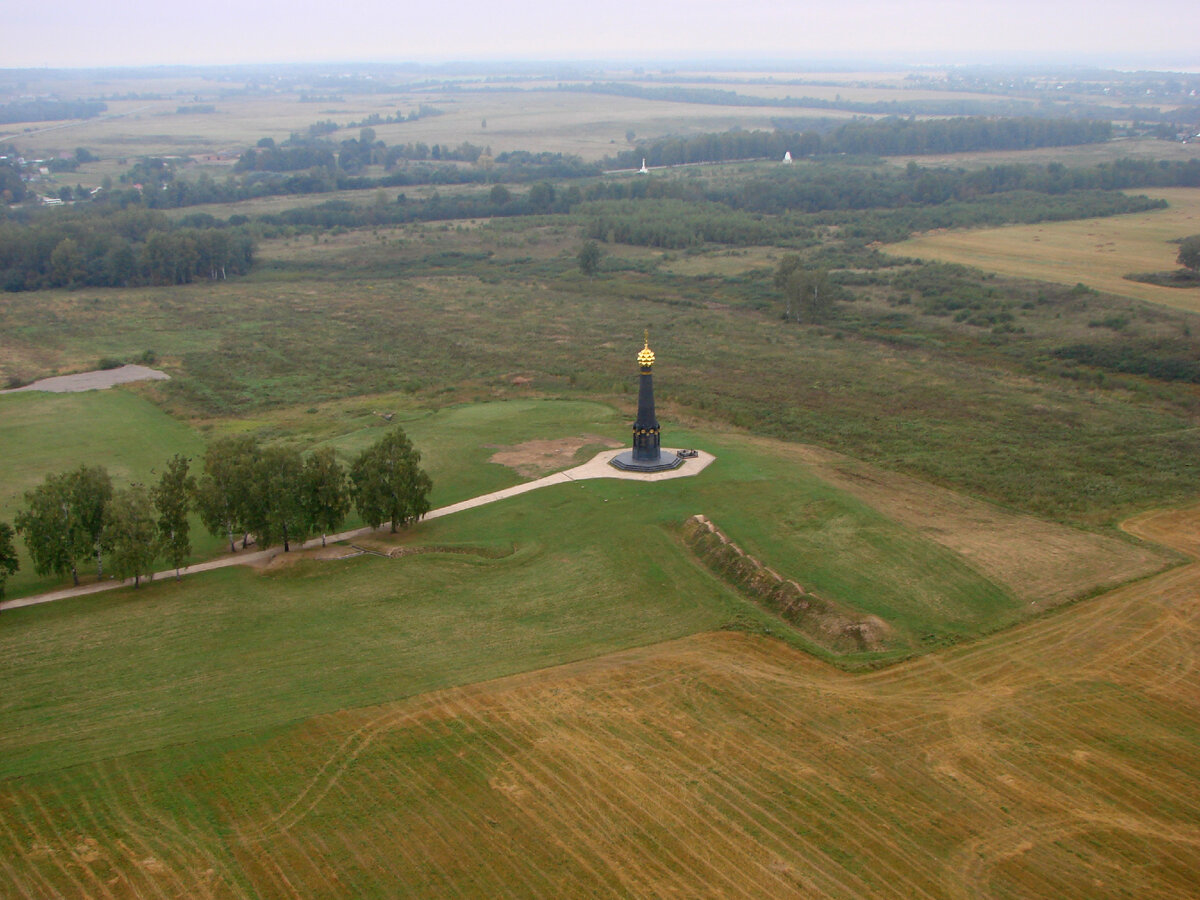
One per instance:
(666, 460)
(601, 466)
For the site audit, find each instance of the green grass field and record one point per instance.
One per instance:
(585, 568)
(569, 572)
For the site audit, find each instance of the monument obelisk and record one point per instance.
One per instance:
(647, 454)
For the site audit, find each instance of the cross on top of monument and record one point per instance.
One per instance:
(645, 358)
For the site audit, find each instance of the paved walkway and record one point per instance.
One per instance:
(596, 467)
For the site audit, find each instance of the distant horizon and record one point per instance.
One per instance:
(1152, 35)
(713, 64)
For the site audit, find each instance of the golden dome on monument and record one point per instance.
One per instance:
(646, 356)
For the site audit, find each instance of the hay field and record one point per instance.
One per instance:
(1094, 252)
(1057, 759)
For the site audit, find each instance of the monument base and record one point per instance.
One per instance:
(664, 462)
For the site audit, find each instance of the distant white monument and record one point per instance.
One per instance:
(643, 170)
(787, 157)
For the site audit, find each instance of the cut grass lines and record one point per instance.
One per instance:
(1096, 252)
(715, 765)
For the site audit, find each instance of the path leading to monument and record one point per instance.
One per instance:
(596, 467)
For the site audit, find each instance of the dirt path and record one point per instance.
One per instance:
(597, 467)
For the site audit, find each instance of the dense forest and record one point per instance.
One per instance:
(115, 248)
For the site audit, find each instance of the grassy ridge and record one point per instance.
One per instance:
(586, 568)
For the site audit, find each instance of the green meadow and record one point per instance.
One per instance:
(564, 573)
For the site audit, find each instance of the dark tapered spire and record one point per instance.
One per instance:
(645, 429)
(646, 455)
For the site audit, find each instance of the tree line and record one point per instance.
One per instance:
(676, 224)
(113, 247)
(880, 137)
(269, 494)
(49, 110)
(778, 207)
(281, 172)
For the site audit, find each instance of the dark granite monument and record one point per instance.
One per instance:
(646, 455)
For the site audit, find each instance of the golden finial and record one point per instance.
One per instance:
(646, 357)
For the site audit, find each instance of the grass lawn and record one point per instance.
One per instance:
(566, 573)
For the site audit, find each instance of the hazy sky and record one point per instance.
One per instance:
(1118, 33)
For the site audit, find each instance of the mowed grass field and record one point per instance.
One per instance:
(1055, 759)
(336, 727)
(1094, 252)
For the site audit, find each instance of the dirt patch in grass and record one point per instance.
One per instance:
(533, 459)
(1042, 562)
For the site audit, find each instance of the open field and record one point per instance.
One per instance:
(589, 125)
(1094, 252)
(561, 694)
(715, 765)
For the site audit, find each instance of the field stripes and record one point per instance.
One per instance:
(1056, 759)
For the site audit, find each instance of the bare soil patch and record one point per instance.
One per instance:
(533, 459)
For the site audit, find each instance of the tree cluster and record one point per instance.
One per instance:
(106, 247)
(281, 497)
(76, 516)
(8, 555)
(284, 159)
(1189, 253)
(271, 494)
(808, 295)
